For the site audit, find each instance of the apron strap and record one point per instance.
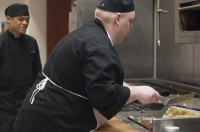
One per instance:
(41, 85)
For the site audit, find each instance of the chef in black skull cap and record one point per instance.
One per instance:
(19, 64)
(81, 86)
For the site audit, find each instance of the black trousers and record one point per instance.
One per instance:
(10, 103)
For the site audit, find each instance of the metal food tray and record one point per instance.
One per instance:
(185, 124)
(158, 123)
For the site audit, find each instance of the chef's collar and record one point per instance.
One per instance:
(109, 37)
(100, 24)
(12, 35)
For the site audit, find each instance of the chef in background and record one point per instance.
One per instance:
(81, 86)
(19, 64)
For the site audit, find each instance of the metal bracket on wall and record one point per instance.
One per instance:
(160, 11)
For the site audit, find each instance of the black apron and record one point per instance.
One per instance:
(16, 77)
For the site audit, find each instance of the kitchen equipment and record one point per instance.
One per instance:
(144, 124)
(153, 122)
(148, 117)
(185, 124)
(176, 99)
(157, 123)
(172, 129)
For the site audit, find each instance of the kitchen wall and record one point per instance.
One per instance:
(176, 62)
(137, 53)
(37, 26)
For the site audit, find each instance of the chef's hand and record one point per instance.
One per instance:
(144, 94)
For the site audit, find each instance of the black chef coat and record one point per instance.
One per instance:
(85, 63)
(19, 66)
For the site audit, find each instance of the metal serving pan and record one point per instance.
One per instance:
(185, 124)
(157, 123)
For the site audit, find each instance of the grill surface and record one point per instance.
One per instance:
(138, 110)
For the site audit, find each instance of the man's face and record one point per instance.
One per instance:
(18, 25)
(125, 25)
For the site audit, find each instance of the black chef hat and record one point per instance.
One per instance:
(116, 5)
(17, 9)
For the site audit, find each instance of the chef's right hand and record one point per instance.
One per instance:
(144, 94)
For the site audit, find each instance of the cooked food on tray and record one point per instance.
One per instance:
(176, 112)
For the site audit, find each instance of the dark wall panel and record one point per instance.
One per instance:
(57, 21)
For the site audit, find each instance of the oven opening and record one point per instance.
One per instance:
(189, 16)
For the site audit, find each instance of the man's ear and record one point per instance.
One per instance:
(117, 18)
(8, 19)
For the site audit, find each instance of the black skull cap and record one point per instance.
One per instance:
(17, 9)
(116, 5)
